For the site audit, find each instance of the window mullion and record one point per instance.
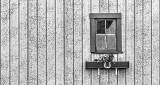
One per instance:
(105, 36)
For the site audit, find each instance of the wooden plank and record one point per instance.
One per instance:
(155, 42)
(112, 4)
(5, 42)
(103, 6)
(103, 72)
(95, 76)
(96, 65)
(93, 36)
(95, 6)
(112, 80)
(23, 42)
(119, 36)
(14, 54)
(32, 42)
(60, 42)
(42, 42)
(147, 42)
(51, 42)
(121, 57)
(130, 42)
(69, 42)
(138, 42)
(105, 15)
(86, 42)
(78, 42)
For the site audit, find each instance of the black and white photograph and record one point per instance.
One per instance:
(79, 42)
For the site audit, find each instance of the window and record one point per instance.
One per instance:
(106, 33)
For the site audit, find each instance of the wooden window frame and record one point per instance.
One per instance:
(93, 31)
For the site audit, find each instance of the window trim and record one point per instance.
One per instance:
(93, 32)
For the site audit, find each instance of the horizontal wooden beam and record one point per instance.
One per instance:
(96, 65)
(105, 15)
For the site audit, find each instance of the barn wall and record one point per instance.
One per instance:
(47, 42)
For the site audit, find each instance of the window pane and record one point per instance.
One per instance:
(106, 37)
(101, 42)
(110, 26)
(100, 26)
(111, 41)
(104, 42)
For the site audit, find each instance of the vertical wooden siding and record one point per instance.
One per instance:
(47, 42)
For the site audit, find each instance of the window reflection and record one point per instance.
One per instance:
(106, 37)
(111, 41)
(110, 26)
(100, 26)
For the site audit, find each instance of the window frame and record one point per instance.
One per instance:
(93, 32)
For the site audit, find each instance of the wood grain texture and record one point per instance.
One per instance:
(95, 76)
(103, 4)
(14, 43)
(130, 42)
(51, 42)
(60, 42)
(121, 57)
(77, 42)
(32, 42)
(23, 42)
(42, 42)
(155, 42)
(138, 42)
(103, 72)
(147, 47)
(112, 72)
(86, 42)
(69, 42)
(5, 75)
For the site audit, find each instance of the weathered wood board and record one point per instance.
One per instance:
(5, 41)
(69, 41)
(23, 52)
(42, 45)
(14, 42)
(32, 42)
(60, 43)
(130, 41)
(155, 42)
(138, 42)
(122, 57)
(87, 74)
(78, 42)
(51, 42)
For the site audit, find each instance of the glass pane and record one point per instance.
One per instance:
(110, 26)
(101, 42)
(100, 26)
(111, 41)
(106, 37)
